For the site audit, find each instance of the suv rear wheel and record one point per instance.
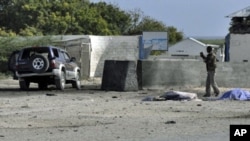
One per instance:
(60, 82)
(39, 63)
(24, 84)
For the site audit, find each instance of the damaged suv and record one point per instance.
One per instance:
(45, 66)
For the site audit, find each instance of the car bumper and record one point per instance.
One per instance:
(55, 72)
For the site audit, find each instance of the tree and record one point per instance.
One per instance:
(142, 23)
(174, 35)
(66, 17)
(118, 21)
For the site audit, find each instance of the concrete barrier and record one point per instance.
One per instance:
(235, 75)
(119, 76)
(165, 74)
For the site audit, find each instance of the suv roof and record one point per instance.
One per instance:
(34, 47)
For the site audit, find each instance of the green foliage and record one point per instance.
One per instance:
(67, 17)
(147, 24)
(116, 21)
(140, 23)
(173, 35)
(5, 33)
(43, 17)
(30, 31)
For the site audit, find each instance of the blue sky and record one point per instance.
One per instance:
(192, 17)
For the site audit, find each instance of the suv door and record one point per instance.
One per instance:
(12, 63)
(69, 66)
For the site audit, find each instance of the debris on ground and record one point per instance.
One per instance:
(49, 94)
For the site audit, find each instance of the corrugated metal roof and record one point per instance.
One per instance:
(203, 44)
(241, 13)
(199, 42)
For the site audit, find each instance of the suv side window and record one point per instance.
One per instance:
(66, 56)
(25, 54)
(55, 51)
(61, 56)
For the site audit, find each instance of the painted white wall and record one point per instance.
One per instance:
(101, 48)
(239, 47)
(111, 48)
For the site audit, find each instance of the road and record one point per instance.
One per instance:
(95, 115)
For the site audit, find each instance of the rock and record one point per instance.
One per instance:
(199, 105)
(25, 106)
(50, 94)
(170, 122)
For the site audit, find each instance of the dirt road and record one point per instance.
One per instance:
(94, 115)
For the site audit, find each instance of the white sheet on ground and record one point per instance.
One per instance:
(174, 95)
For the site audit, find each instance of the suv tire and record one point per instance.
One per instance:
(60, 82)
(77, 83)
(24, 84)
(39, 63)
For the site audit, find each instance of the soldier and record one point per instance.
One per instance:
(210, 61)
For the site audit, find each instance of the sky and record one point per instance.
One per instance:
(195, 18)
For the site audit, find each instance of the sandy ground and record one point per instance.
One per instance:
(94, 115)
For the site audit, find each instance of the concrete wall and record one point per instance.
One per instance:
(111, 48)
(165, 74)
(239, 47)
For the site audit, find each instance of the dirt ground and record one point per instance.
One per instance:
(94, 115)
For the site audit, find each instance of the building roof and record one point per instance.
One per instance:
(241, 13)
(201, 43)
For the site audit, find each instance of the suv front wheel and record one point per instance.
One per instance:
(60, 82)
(77, 83)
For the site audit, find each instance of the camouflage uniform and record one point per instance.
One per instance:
(210, 61)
